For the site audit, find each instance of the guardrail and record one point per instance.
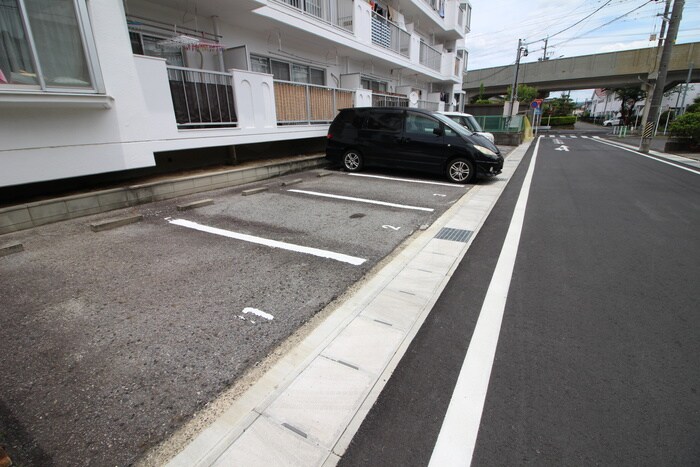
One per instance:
(335, 12)
(300, 103)
(388, 34)
(429, 56)
(202, 99)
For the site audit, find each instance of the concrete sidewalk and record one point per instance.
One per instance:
(307, 407)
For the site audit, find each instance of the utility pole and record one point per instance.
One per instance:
(685, 92)
(522, 50)
(544, 54)
(655, 72)
(655, 104)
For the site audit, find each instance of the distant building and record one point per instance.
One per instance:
(91, 87)
(604, 105)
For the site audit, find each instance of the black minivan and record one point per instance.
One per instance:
(413, 139)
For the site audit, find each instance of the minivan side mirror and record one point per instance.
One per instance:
(438, 131)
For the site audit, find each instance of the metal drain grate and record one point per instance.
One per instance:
(455, 235)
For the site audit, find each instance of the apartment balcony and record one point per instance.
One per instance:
(446, 19)
(356, 26)
(207, 99)
(335, 12)
(248, 102)
(388, 34)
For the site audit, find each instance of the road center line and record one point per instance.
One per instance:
(271, 243)
(362, 200)
(598, 139)
(453, 185)
(457, 438)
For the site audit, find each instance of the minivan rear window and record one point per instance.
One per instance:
(385, 121)
(350, 117)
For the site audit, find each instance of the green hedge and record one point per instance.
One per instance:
(558, 121)
(687, 126)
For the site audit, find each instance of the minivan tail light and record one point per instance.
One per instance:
(329, 136)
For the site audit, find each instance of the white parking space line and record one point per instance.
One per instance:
(271, 243)
(453, 185)
(600, 140)
(362, 200)
(457, 438)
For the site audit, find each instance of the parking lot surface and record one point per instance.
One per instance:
(114, 339)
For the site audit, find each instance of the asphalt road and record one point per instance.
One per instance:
(597, 358)
(112, 340)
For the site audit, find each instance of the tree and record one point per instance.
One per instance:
(629, 97)
(695, 106)
(559, 106)
(525, 93)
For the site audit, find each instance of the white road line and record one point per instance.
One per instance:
(457, 438)
(598, 139)
(362, 200)
(453, 185)
(271, 243)
(573, 136)
(584, 137)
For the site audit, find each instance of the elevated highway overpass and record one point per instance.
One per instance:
(614, 69)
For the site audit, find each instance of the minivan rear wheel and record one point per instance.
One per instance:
(461, 171)
(352, 160)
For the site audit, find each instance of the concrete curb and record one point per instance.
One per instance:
(26, 216)
(11, 248)
(109, 224)
(195, 204)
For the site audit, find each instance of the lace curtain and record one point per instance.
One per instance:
(58, 42)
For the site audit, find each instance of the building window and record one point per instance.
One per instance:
(288, 71)
(44, 45)
(373, 85)
(143, 44)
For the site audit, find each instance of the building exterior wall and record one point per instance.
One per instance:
(48, 136)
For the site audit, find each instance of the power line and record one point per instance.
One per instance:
(581, 20)
(606, 24)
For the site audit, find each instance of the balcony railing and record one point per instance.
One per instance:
(335, 12)
(388, 34)
(300, 103)
(429, 56)
(429, 105)
(388, 100)
(202, 98)
(437, 5)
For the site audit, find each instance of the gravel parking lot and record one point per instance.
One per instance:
(112, 340)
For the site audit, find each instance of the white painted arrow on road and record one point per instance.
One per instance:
(563, 147)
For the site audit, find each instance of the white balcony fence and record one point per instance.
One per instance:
(388, 34)
(429, 105)
(388, 100)
(429, 56)
(300, 103)
(335, 12)
(202, 98)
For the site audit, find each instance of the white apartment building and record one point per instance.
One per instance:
(96, 86)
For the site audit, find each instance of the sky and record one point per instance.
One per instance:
(497, 25)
